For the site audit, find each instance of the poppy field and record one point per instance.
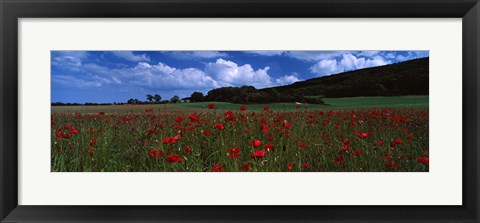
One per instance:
(241, 139)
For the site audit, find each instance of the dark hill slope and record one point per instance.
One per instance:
(405, 78)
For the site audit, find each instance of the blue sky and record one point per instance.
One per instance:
(116, 76)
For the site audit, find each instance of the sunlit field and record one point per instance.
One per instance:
(370, 134)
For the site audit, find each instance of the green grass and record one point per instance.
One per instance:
(310, 141)
(379, 102)
(332, 104)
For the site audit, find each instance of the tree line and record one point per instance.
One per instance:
(251, 95)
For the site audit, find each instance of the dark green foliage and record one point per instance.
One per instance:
(196, 97)
(149, 97)
(175, 99)
(406, 78)
(157, 98)
(251, 95)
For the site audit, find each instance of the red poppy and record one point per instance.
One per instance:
(395, 142)
(409, 137)
(380, 142)
(187, 149)
(93, 140)
(211, 106)
(357, 153)
(73, 131)
(59, 135)
(90, 149)
(155, 153)
(178, 119)
(148, 110)
(259, 153)
(167, 140)
(193, 118)
(218, 168)
(151, 131)
(287, 125)
(364, 135)
(290, 166)
(234, 152)
(68, 126)
(423, 160)
(305, 166)
(207, 133)
(256, 143)
(270, 137)
(339, 159)
(302, 144)
(264, 129)
(269, 147)
(243, 107)
(266, 108)
(245, 166)
(174, 159)
(219, 126)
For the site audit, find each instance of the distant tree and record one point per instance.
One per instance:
(131, 101)
(175, 99)
(136, 101)
(149, 97)
(157, 98)
(196, 97)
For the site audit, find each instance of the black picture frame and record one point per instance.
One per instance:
(11, 11)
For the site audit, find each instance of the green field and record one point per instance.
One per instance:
(331, 104)
(191, 138)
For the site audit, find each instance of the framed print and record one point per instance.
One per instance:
(239, 111)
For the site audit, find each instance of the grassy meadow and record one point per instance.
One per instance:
(361, 134)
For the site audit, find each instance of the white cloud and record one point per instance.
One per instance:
(266, 52)
(351, 62)
(314, 55)
(197, 54)
(348, 62)
(68, 59)
(368, 53)
(287, 79)
(163, 77)
(71, 81)
(326, 67)
(130, 56)
(228, 73)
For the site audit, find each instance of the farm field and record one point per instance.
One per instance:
(332, 104)
(363, 134)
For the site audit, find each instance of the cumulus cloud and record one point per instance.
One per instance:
(287, 79)
(164, 77)
(326, 67)
(351, 62)
(346, 63)
(130, 56)
(197, 54)
(228, 73)
(68, 59)
(411, 55)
